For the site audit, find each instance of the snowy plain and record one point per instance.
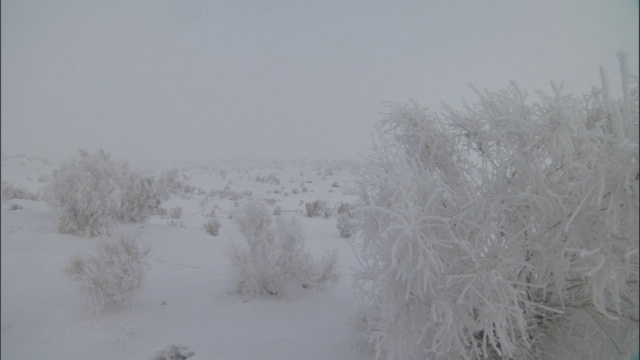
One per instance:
(186, 299)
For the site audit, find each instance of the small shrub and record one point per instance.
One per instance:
(272, 260)
(335, 184)
(173, 352)
(9, 192)
(315, 208)
(175, 223)
(176, 212)
(343, 208)
(162, 212)
(212, 226)
(277, 210)
(15, 207)
(113, 274)
(295, 191)
(345, 225)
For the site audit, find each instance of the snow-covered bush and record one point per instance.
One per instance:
(173, 352)
(506, 230)
(346, 222)
(345, 225)
(315, 208)
(176, 212)
(15, 207)
(10, 192)
(91, 192)
(140, 197)
(113, 273)
(272, 260)
(212, 227)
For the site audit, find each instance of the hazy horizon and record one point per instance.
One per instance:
(199, 80)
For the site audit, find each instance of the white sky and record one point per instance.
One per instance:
(199, 80)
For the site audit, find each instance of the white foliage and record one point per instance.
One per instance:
(506, 230)
(91, 192)
(345, 225)
(212, 227)
(9, 192)
(113, 273)
(273, 260)
(315, 208)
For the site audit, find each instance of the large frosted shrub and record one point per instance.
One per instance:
(272, 259)
(113, 274)
(505, 230)
(91, 192)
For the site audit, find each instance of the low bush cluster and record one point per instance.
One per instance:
(113, 273)
(315, 208)
(272, 259)
(91, 192)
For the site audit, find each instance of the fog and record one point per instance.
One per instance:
(201, 80)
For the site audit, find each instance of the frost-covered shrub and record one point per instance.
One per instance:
(277, 210)
(86, 194)
(345, 225)
(212, 227)
(15, 207)
(173, 352)
(175, 223)
(91, 192)
(168, 184)
(315, 208)
(272, 260)
(162, 212)
(176, 212)
(346, 221)
(113, 274)
(140, 197)
(506, 230)
(10, 192)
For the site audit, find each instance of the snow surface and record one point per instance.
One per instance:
(186, 299)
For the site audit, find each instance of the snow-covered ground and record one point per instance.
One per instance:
(186, 299)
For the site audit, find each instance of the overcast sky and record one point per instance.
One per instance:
(199, 80)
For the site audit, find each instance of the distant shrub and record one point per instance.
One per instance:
(272, 259)
(345, 225)
(212, 227)
(176, 212)
(113, 274)
(344, 208)
(277, 210)
(346, 222)
(335, 184)
(9, 192)
(315, 208)
(15, 207)
(295, 191)
(162, 211)
(173, 352)
(175, 223)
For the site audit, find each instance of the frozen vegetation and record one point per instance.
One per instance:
(507, 229)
